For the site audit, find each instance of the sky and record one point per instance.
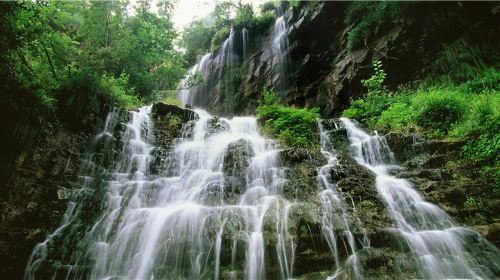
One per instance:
(186, 11)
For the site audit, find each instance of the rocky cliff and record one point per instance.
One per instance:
(325, 57)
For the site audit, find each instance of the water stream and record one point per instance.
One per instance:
(189, 221)
(440, 247)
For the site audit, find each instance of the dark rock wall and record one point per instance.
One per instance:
(33, 200)
(320, 69)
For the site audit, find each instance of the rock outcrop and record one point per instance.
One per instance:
(322, 70)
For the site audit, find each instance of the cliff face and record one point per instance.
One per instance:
(33, 199)
(320, 66)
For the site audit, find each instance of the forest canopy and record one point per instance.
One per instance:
(53, 48)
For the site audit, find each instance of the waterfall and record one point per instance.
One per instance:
(219, 196)
(195, 94)
(333, 210)
(442, 249)
(226, 61)
(279, 46)
(244, 36)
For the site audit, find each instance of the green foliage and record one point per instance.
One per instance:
(473, 203)
(219, 37)
(375, 84)
(235, 14)
(365, 16)
(469, 111)
(461, 60)
(367, 109)
(193, 79)
(398, 117)
(170, 97)
(267, 7)
(262, 22)
(244, 16)
(196, 39)
(64, 59)
(294, 127)
(439, 108)
(294, 3)
(117, 91)
(376, 100)
(484, 81)
(56, 41)
(270, 98)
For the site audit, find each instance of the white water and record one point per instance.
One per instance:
(436, 242)
(279, 46)
(334, 215)
(244, 36)
(177, 225)
(194, 94)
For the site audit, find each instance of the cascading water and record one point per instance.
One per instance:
(442, 250)
(226, 61)
(194, 94)
(279, 46)
(244, 36)
(334, 214)
(189, 222)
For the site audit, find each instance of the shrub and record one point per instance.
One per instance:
(459, 61)
(486, 81)
(116, 91)
(376, 100)
(244, 16)
(398, 117)
(267, 7)
(439, 109)
(294, 127)
(220, 36)
(262, 22)
(375, 84)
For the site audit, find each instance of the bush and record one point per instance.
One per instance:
(459, 61)
(439, 109)
(267, 7)
(219, 37)
(116, 91)
(398, 117)
(486, 81)
(196, 39)
(376, 100)
(262, 22)
(294, 127)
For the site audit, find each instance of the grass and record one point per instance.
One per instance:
(468, 111)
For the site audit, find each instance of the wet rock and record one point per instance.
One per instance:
(236, 161)
(162, 109)
(217, 125)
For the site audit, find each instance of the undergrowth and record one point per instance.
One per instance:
(467, 111)
(294, 127)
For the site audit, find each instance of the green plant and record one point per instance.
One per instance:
(219, 36)
(294, 3)
(294, 127)
(267, 7)
(376, 100)
(365, 16)
(193, 79)
(375, 84)
(262, 22)
(117, 91)
(439, 108)
(473, 203)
